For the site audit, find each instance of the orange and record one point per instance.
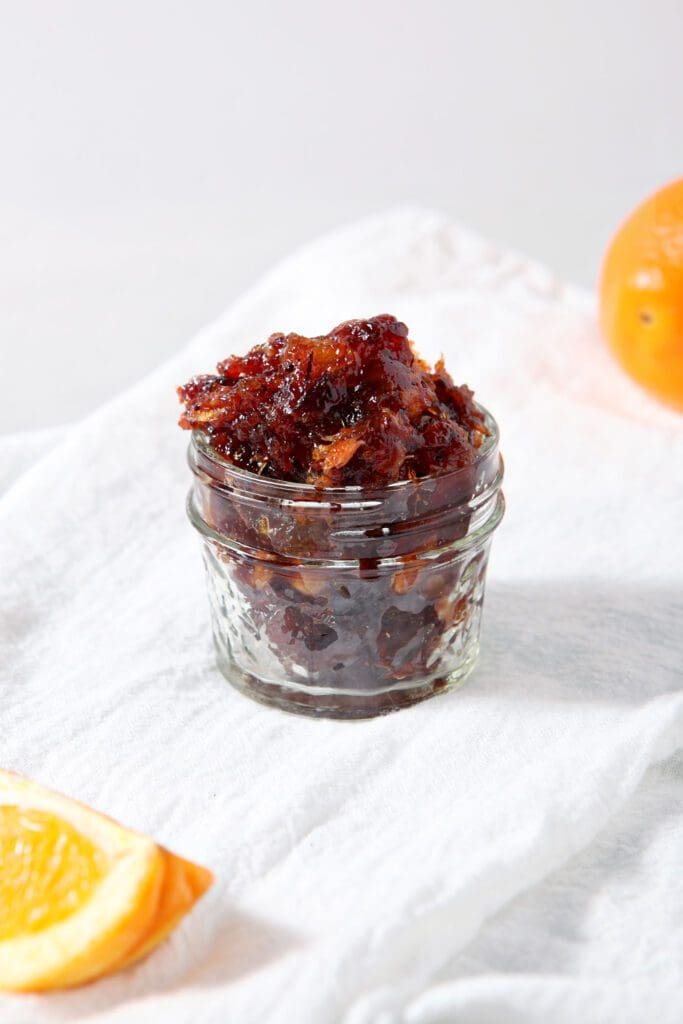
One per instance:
(183, 884)
(80, 896)
(641, 294)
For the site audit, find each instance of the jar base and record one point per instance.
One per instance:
(316, 702)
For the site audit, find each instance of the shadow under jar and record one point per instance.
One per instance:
(345, 602)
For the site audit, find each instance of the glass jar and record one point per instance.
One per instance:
(345, 602)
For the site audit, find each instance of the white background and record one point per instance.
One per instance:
(157, 156)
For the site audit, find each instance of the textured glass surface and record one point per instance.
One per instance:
(386, 638)
(345, 601)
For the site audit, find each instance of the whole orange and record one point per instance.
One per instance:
(641, 294)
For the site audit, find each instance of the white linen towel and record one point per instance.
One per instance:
(509, 852)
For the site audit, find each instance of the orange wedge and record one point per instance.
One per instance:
(184, 883)
(80, 896)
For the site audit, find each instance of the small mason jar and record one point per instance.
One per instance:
(345, 602)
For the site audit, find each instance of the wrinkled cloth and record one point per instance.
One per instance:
(21, 451)
(507, 853)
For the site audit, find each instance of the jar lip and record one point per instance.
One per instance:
(287, 488)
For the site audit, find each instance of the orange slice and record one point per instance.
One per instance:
(80, 895)
(184, 883)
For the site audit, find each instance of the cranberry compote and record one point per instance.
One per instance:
(346, 494)
(356, 406)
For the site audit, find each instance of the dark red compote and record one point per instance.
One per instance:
(356, 406)
(346, 494)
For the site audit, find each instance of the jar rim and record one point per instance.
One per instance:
(290, 488)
